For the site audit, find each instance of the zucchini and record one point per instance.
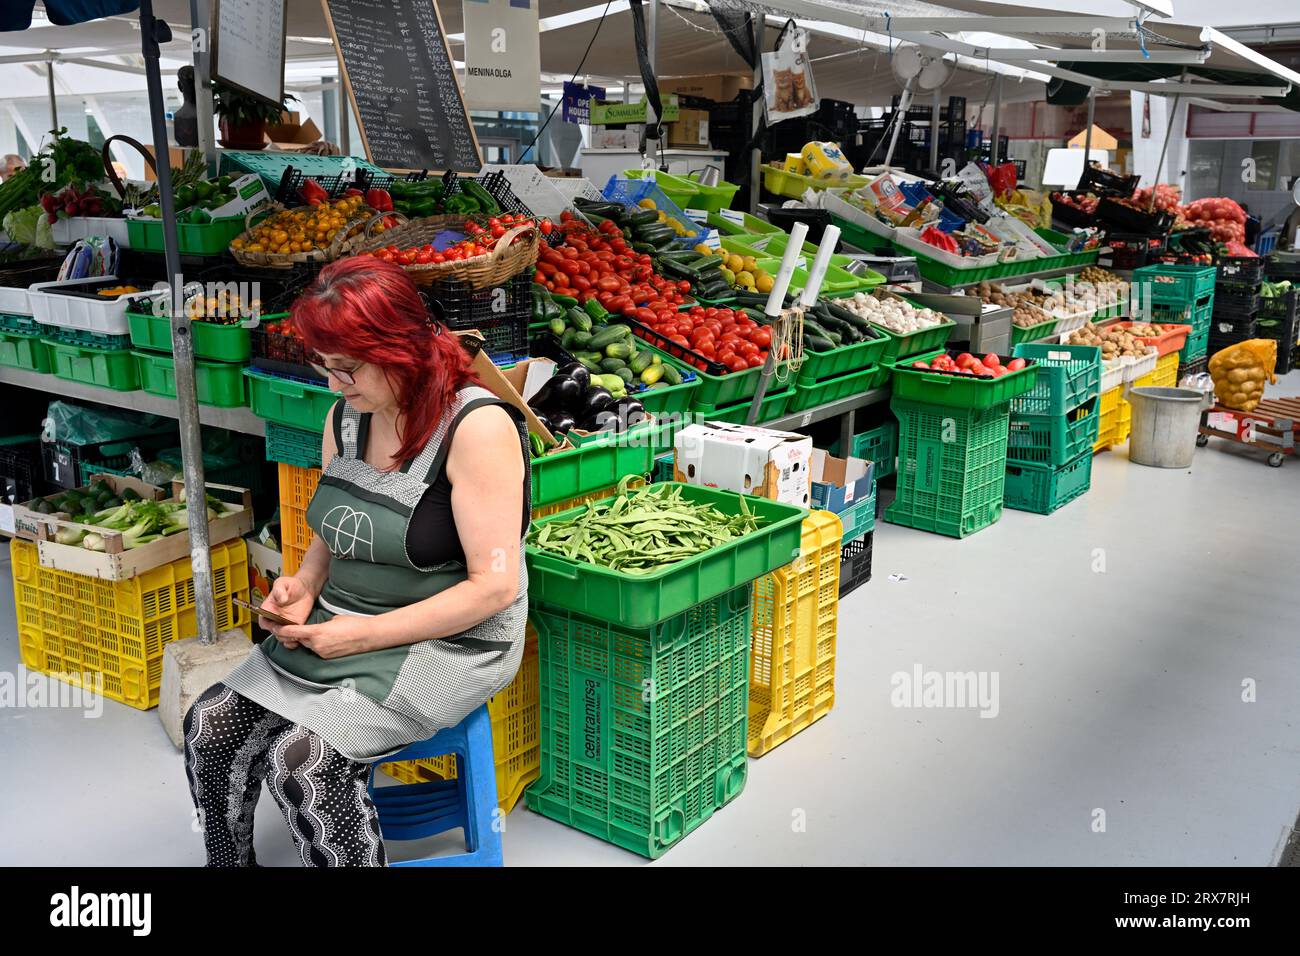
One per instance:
(817, 343)
(619, 350)
(579, 319)
(612, 364)
(645, 247)
(609, 335)
(671, 375)
(566, 340)
(642, 217)
(844, 315)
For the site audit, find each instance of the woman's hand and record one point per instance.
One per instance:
(289, 598)
(340, 636)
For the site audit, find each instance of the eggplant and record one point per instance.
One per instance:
(545, 420)
(605, 421)
(558, 393)
(561, 423)
(629, 411)
(578, 372)
(594, 401)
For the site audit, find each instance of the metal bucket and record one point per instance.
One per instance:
(1165, 424)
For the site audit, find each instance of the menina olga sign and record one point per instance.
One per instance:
(502, 55)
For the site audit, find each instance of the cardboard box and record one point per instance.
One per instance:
(746, 459)
(291, 133)
(617, 113)
(720, 88)
(265, 564)
(28, 523)
(510, 385)
(630, 138)
(250, 192)
(839, 483)
(691, 130)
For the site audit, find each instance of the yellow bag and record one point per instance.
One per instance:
(1240, 371)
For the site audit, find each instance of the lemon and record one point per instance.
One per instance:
(763, 282)
(647, 204)
(745, 278)
(703, 249)
(750, 265)
(735, 263)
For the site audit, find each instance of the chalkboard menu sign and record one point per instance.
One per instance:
(399, 76)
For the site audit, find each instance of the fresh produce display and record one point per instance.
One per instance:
(892, 313)
(1166, 198)
(828, 325)
(605, 349)
(430, 197)
(1113, 343)
(1144, 330)
(1225, 219)
(75, 200)
(482, 240)
(736, 272)
(1240, 372)
(600, 264)
(643, 223)
(1097, 276)
(1274, 290)
(1032, 306)
(577, 397)
(1084, 202)
(642, 532)
(990, 366)
(305, 229)
(140, 522)
(1238, 250)
(203, 195)
(732, 338)
(84, 501)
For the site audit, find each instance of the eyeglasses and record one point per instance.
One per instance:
(345, 375)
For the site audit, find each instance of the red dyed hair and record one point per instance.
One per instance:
(370, 310)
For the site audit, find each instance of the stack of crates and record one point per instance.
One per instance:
(859, 521)
(879, 445)
(516, 748)
(1236, 301)
(1179, 295)
(297, 485)
(1277, 320)
(1053, 428)
(645, 682)
(1114, 419)
(792, 657)
(109, 636)
(1164, 375)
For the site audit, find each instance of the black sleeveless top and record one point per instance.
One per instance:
(432, 537)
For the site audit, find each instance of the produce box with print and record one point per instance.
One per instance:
(102, 491)
(745, 459)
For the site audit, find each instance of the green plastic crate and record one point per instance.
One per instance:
(86, 340)
(25, 350)
(860, 517)
(636, 769)
(842, 386)
(292, 446)
(670, 398)
(1196, 347)
(194, 239)
(1032, 333)
(835, 281)
(879, 446)
(1043, 489)
(216, 343)
(710, 198)
(215, 383)
(287, 401)
(683, 192)
(597, 464)
(10, 322)
(910, 345)
(1068, 376)
(1176, 285)
(951, 467)
(847, 358)
(642, 600)
(748, 224)
(960, 391)
(1053, 439)
(861, 238)
(663, 468)
(775, 404)
(108, 368)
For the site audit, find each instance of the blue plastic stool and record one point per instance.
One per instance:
(416, 810)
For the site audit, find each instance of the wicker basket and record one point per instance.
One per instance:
(341, 244)
(506, 260)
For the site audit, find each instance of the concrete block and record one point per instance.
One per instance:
(190, 668)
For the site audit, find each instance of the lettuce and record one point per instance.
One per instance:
(21, 224)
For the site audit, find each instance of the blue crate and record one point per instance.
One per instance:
(629, 192)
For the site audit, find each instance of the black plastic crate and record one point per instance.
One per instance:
(281, 354)
(335, 185)
(1236, 327)
(22, 477)
(1128, 252)
(1236, 301)
(1195, 367)
(67, 466)
(1286, 359)
(1276, 267)
(1104, 182)
(500, 313)
(855, 564)
(24, 272)
(1242, 270)
(1135, 221)
(1071, 216)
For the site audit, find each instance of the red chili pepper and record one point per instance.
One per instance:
(379, 200)
(312, 194)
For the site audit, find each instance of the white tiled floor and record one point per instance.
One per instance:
(1118, 691)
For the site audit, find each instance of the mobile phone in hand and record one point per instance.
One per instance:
(263, 612)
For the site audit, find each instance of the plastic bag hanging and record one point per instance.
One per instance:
(788, 86)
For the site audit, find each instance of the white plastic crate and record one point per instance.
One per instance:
(68, 231)
(1112, 373)
(837, 206)
(910, 238)
(14, 301)
(1137, 367)
(107, 317)
(575, 187)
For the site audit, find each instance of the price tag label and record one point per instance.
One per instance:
(806, 420)
(733, 215)
(713, 240)
(699, 215)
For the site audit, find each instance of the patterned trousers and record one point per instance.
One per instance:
(232, 744)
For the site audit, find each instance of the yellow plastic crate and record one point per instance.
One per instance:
(75, 627)
(297, 485)
(1164, 375)
(516, 740)
(568, 503)
(291, 559)
(1115, 426)
(792, 643)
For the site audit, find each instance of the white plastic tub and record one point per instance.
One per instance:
(106, 317)
(68, 231)
(14, 301)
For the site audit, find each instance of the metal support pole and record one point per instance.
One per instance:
(1087, 136)
(201, 19)
(652, 44)
(934, 133)
(756, 155)
(1169, 131)
(997, 119)
(54, 104)
(153, 32)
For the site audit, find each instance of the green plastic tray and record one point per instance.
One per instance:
(1068, 376)
(1032, 333)
(292, 446)
(774, 405)
(808, 396)
(670, 398)
(709, 198)
(642, 770)
(1053, 439)
(25, 350)
(835, 281)
(1196, 347)
(1043, 489)
(847, 358)
(748, 224)
(951, 467)
(947, 275)
(715, 390)
(960, 391)
(643, 600)
(910, 345)
(195, 239)
(107, 368)
(683, 192)
(9, 322)
(859, 518)
(880, 447)
(289, 402)
(860, 238)
(217, 343)
(215, 383)
(597, 464)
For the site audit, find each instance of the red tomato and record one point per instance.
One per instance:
(581, 283)
(738, 364)
(762, 337)
(680, 340)
(1015, 365)
(920, 364)
(992, 361)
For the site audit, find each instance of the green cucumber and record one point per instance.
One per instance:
(612, 364)
(609, 335)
